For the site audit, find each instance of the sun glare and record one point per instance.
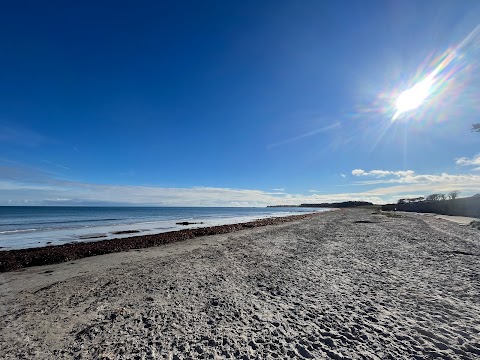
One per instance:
(412, 98)
(437, 80)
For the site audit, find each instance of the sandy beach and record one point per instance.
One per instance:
(347, 284)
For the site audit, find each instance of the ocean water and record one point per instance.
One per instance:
(36, 226)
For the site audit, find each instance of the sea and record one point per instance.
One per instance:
(24, 227)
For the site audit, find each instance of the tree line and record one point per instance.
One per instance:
(433, 197)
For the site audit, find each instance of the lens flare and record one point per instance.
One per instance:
(435, 81)
(444, 85)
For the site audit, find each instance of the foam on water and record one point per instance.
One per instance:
(65, 225)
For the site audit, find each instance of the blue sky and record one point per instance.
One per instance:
(235, 103)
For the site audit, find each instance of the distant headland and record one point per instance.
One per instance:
(344, 204)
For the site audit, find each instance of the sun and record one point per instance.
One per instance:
(412, 98)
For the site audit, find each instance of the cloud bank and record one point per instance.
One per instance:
(416, 183)
(29, 186)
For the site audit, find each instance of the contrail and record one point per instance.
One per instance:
(60, 166)
(301, 136)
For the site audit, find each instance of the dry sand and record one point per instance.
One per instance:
(344, 284)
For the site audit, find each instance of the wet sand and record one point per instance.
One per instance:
(347, 284)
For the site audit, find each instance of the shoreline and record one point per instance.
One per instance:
(42, 226)
(11, 260)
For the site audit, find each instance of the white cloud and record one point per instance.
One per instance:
(418, 184)
(464, 161)
(26, 185)
(21, 185)
(381, 173)
(412, 178)
(358, 172)
(83, 193)
(403, 173)
(377, 173)
(343, 176)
